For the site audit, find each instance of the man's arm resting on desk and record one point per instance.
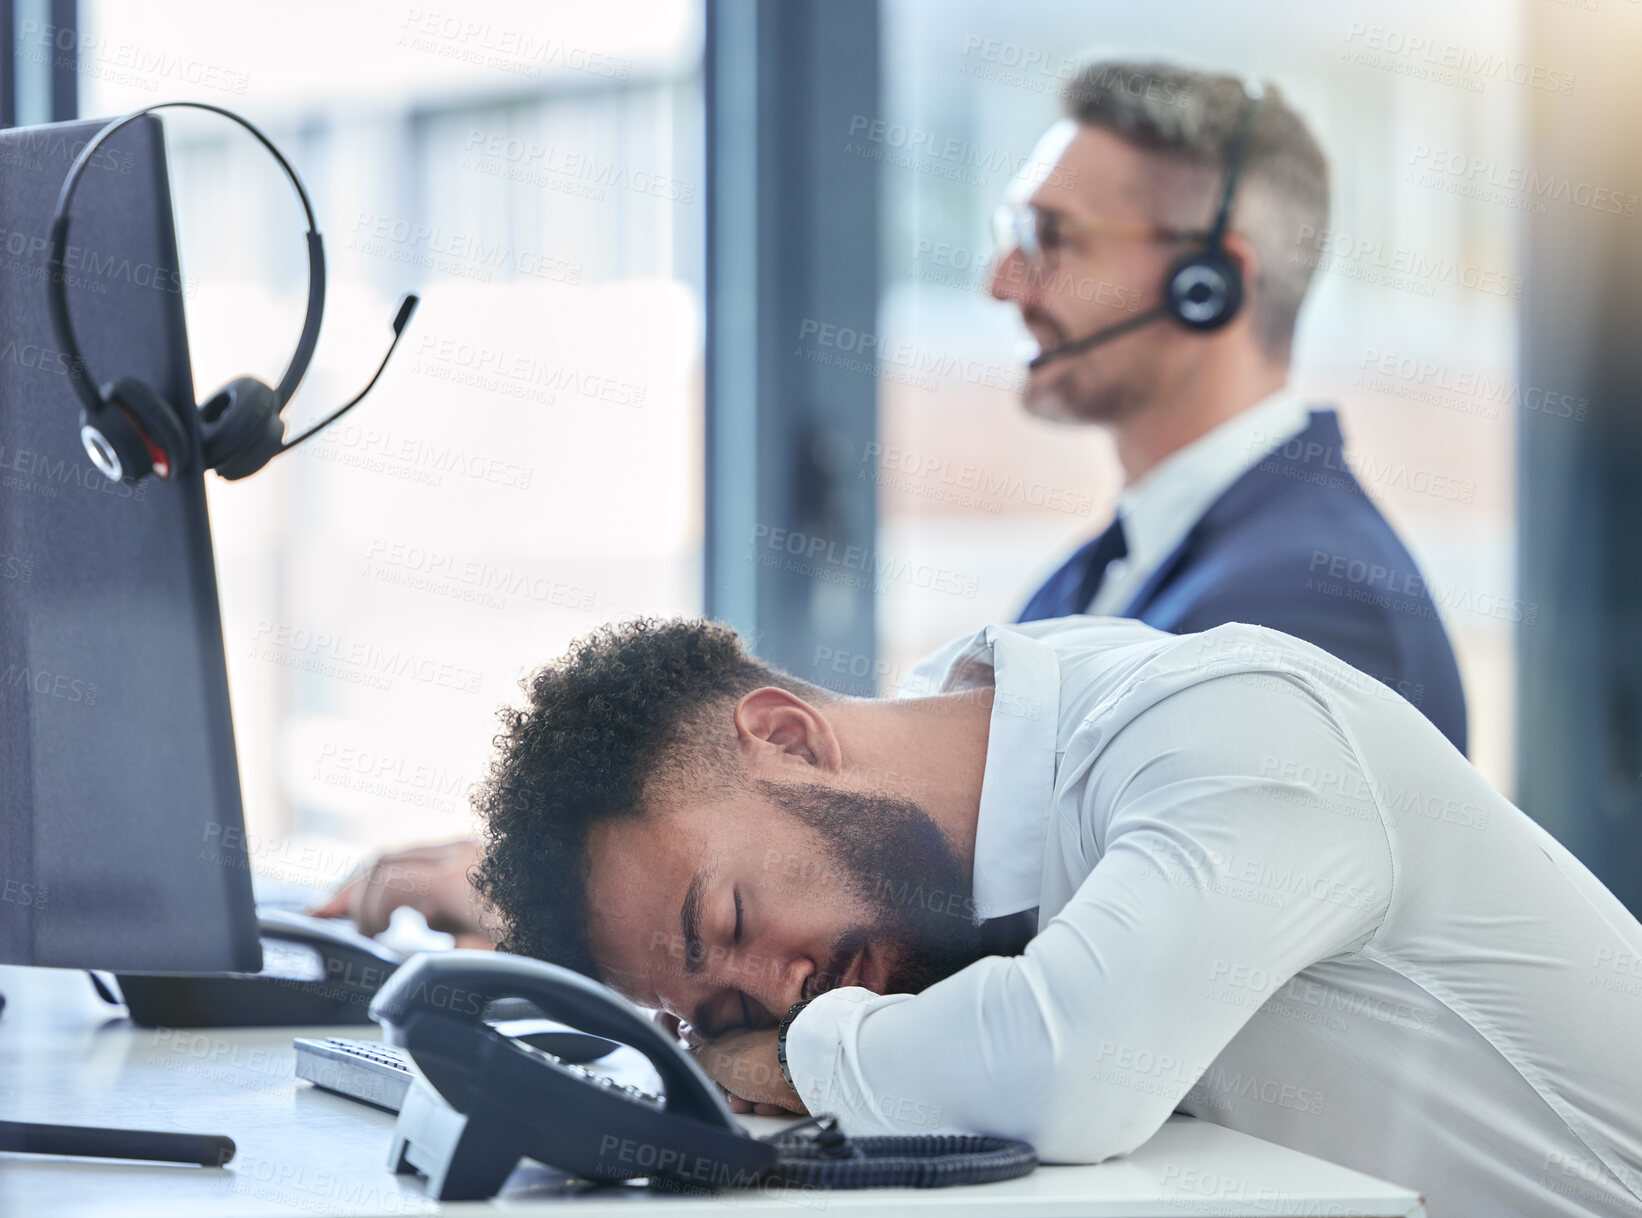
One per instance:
(430, 879)
(1085, 1044)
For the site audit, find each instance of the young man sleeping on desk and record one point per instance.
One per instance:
(1082, 874)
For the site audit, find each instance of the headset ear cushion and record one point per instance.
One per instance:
(241, 427)
(1205, 289)
(154, 416)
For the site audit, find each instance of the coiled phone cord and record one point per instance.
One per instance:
(829, 1159)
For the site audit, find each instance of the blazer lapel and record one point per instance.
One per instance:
(1321, 436)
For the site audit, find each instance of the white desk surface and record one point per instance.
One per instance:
(65, 1058)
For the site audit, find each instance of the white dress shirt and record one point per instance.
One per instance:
(1272, 895)
(1160, 509)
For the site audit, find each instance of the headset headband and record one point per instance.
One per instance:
(1235, 155)
(57, 294)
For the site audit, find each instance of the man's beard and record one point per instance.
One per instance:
(890, 851)
(1061, 400)
(1123, 391)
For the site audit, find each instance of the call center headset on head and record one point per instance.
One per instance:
(1204, 290)
(128, 428)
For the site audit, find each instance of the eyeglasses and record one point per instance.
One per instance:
(1039, 234)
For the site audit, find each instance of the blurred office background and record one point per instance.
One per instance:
(705, 329)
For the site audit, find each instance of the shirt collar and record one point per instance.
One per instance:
(1018, 786)
(1159, 510)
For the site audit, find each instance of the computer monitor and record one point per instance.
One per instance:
(121, 831)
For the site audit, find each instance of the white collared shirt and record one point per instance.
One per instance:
(1272, 895)
(1160, 509)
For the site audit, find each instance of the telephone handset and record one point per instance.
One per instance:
(509, 1100)
(489, 1100)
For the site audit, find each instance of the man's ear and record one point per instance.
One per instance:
(781, 729)
(1241, 251)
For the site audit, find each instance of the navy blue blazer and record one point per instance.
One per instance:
(1296, 544)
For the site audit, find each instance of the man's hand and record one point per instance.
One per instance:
(431, 879)
(745, 1065)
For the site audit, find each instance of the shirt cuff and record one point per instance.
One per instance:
(815, 1041)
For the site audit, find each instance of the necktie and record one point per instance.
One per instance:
(1070, 589)
(1108, 548)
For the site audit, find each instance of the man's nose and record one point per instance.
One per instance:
(1009, 280)
(774, 982)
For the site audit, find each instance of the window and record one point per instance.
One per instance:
(529, 465)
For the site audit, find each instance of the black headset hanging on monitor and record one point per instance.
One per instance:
(1204, 290)
(128, 428)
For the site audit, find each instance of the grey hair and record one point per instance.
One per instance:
(1188, 118)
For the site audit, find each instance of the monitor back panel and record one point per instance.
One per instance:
(121, 839)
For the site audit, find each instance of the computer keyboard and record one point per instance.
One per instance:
(359, 1069)
(380, 1075)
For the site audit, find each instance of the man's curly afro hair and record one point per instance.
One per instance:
(628, 705)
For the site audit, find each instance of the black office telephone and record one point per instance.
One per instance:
(489, 1100)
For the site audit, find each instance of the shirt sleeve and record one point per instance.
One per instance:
(1234, 840)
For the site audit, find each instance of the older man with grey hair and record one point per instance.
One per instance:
(1159, 256)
